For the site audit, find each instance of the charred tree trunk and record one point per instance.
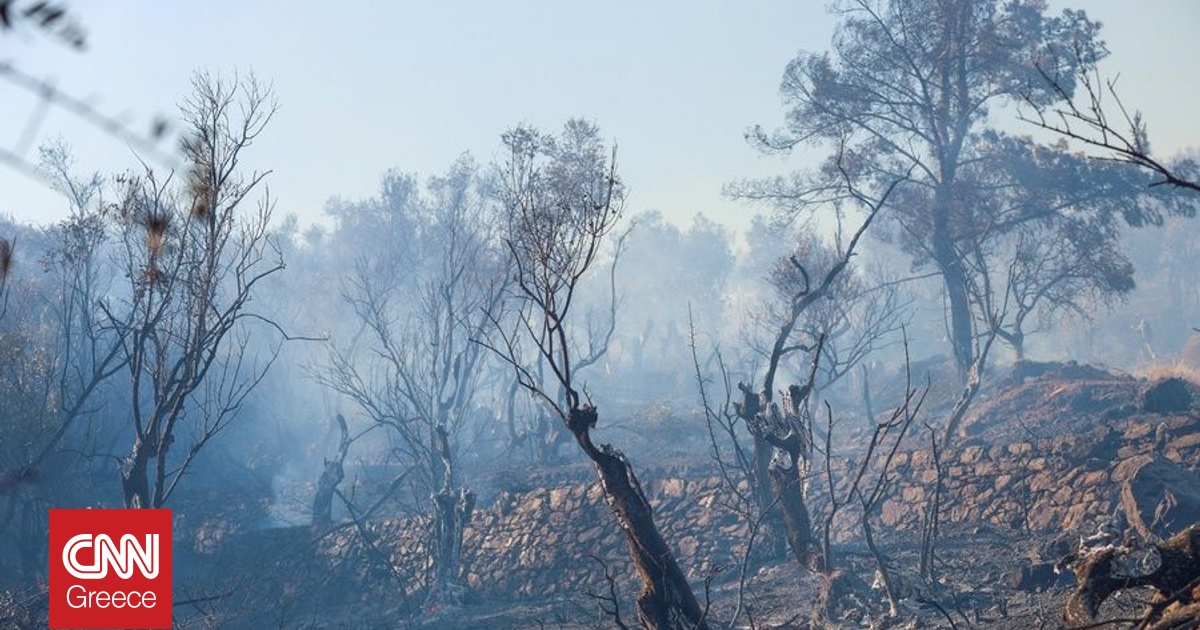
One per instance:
(775, 525)
(322, 510)
(452, 508)
(1110, 569)
(971, 383)
(774, 528)
(135, 479)
(1015, 340)
(786, 484)
(452, 512)
(762, 472)
(514, 437)
(788, 433)
(666, 601)
(950, 264)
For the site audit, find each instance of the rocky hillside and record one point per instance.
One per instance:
(1062, 448)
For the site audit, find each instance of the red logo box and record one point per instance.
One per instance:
(110, 568)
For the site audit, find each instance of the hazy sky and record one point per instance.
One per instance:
(368, 86)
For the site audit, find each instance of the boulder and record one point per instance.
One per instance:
(1168, 396)
(1160, 498)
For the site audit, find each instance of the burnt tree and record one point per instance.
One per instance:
(783, 437)
(194, 258)
(331, 476)
(921, 85)
(563, 198)
(423, 297)
(1170, 567)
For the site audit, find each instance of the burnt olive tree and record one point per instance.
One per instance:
(423, 305)
(783, 433)
(563, 198)
(193, 257)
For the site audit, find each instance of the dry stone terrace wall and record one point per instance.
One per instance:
(1061, 483)
(540, 542)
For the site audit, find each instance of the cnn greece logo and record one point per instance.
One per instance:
(110, 568)
(107, 554)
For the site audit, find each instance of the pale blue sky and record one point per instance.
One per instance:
(412, 85)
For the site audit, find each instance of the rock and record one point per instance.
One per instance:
(891, 512)
(1042, 482)
(672, 488)
(1038, 576)
(558, 498)
(590, 534)
(1126, 468)
(1104, 451)
(1064, 496)
(1020, 448)
(1138, 431)
(1185, 442)
(1161, 498)
(1170, 395)
(1092, 478)
(1002, 481)
(1044, 519)
(1026, 369)
(1074, 516)
(688, 547)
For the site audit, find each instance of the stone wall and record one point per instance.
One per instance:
(542, 542)
(1061, 483)
(539, 543)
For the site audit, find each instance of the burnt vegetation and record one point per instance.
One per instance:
(945, 377)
